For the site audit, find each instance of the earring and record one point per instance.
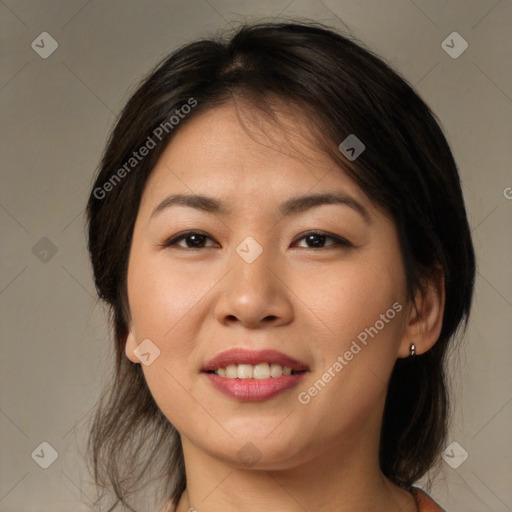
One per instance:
(412, 349)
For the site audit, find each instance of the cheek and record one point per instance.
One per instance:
(160, 298)
(360, 310)
(364, 310)
(353, 296)
(163, 305)
(166, 308)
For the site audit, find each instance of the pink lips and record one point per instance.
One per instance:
(253, 390)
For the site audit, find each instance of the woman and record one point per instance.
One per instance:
(279, 230)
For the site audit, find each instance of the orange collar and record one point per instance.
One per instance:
(424, 502)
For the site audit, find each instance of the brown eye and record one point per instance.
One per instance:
(317, 239)
(192, 240)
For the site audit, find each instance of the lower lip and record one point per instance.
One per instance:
(254, 390)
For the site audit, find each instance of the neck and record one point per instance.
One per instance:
(344, 480)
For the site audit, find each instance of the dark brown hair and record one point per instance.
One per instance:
(406, 169)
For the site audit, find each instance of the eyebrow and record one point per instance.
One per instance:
(289, 207)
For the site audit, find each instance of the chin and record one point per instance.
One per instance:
(260, 452)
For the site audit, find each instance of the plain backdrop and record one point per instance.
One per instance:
(56, 115)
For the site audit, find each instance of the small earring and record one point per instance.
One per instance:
(412, 349)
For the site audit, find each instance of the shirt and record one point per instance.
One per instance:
(424, 502)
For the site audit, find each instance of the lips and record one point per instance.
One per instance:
(252, 387)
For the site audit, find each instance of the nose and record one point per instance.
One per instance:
(255, 294)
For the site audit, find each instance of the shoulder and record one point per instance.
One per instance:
(425, 502)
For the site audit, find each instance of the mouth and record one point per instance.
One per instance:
(241, 363)
(253, 375)
(260, 371)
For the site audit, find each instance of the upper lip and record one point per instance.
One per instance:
(236, 356)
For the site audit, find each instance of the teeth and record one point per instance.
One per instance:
(231, 371)
(248, 371)
(276, 370)
(245, 371)
(261, 371)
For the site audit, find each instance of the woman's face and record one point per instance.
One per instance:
(251, 277)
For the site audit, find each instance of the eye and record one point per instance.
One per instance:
(317, 240)
(192, 240)
(197, 240)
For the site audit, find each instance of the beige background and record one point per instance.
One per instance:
(56, 114)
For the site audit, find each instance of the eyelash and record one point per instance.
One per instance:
(339, 240)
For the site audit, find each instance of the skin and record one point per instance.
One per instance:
(307, 302)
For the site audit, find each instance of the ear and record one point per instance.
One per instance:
(424, 322)
(130, 346)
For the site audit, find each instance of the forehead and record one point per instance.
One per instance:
(236, 151)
